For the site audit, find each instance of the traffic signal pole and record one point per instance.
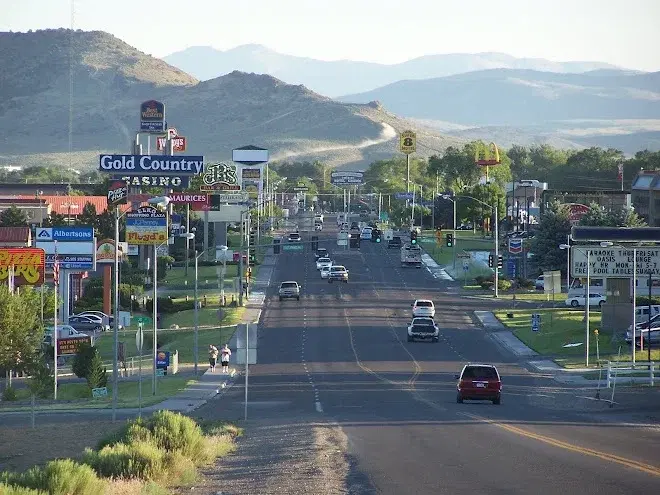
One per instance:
(497, 255)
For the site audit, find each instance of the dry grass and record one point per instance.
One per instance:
(22, 447)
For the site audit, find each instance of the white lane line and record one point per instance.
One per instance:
(318, 406)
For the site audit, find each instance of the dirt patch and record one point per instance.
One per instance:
(272, 458)
(22, 447)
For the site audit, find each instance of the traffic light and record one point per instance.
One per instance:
(253, 239)
(500, 261)
(315, 242)
(450, 240)
(491, 261)
(413, 237)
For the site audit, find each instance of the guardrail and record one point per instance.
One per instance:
(640, 372)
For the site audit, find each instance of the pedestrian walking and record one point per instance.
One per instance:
(213, 357)
(224, 358)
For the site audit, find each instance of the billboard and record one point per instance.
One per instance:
(614, 262)
(117, 193)
(251, 173)
(137, 165)
(179, 143)
(196, 200)
(152, 116)
(408, 142)
(25, 264)
(339, 178)
(154, 180)
(105, 251)
(146, 225)
(69, 346)
(221, 177)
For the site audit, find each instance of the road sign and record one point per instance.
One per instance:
(536, 322)
(301, 188)
(342, 178)
(292, 247)
(342, 242)
(463, 255)
(79, 233)
(142, 320)
(389, 235)
(342, 236)
(408, 142)
(404, 195)
(427, 239)
(614, 262)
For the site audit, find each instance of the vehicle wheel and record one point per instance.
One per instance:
(280, 298)
(436, 339)
(497, 401)
(600, 304)
(298, 298)
(574, 303)
(329, 280)
(459, 399)
(345, 281)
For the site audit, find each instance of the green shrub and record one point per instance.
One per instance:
(18, 490)
(9, 394)
(503, 284)
(82, 361)
(139, 460)
(41, 381)
(98, 374)
(59, 477)
(524, 283)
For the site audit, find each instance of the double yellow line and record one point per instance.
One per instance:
(630, 463)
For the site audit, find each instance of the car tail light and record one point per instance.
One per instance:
(461, 384)
(495, 384)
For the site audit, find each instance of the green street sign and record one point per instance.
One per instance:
(427, 239)
(144, 320)
(292, 247)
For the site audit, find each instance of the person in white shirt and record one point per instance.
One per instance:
(225, 353)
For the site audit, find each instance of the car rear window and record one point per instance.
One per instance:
(289, 285)
(484, 372)
(426, 304)
(338, 269)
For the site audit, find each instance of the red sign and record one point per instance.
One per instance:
(69, 346)
(576, 211)
(196, 201)
(25, 264)
(179, 143)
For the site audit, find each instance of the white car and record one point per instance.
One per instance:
(294, 237)
(423, 328)
(325, 271)
(423, 307)
(318, 226)
(594, 300)
(321, 262)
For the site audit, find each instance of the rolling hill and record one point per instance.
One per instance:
(111, 78)
(334, 78)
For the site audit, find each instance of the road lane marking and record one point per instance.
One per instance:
(318, 406)
(630, 463)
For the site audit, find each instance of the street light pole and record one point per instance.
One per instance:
(497, 255)
(196, 342)
(115, 330)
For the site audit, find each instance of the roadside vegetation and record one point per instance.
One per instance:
(144, 456)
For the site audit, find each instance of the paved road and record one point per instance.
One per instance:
(340, 356)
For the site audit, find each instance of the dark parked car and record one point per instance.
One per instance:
(84, 324)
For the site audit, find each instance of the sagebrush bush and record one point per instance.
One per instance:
(18, 490)
(9, 394)
(138, 460)
(180, 469)
(59, 477)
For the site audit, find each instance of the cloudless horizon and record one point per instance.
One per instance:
(622, 33)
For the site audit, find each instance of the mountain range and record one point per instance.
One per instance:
(342, 77)
(93, 84)
(110, 80)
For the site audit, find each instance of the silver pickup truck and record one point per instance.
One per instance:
(289, 290)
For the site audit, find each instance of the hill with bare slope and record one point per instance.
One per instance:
(110, 79)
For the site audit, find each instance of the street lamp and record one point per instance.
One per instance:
(224, 250)
(159, 201)
(586, 296)
(447, 196)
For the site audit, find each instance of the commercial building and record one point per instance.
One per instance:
(646, 196)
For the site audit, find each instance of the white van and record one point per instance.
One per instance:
(642, 313)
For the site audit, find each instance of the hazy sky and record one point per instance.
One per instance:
(622, 32)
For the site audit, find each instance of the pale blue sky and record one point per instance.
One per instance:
(622, 32)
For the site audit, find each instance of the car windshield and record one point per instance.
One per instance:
(338, 269)
(321, 252)
(424, 304)
(324, 260)
(483, 372)
(289, 285)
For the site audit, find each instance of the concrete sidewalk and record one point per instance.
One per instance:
(210, 384)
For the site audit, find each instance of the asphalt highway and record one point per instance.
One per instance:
(340, 355)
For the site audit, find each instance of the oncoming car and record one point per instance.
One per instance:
(325, 272)
(289, 290)
(321, 262)
(339, 273)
